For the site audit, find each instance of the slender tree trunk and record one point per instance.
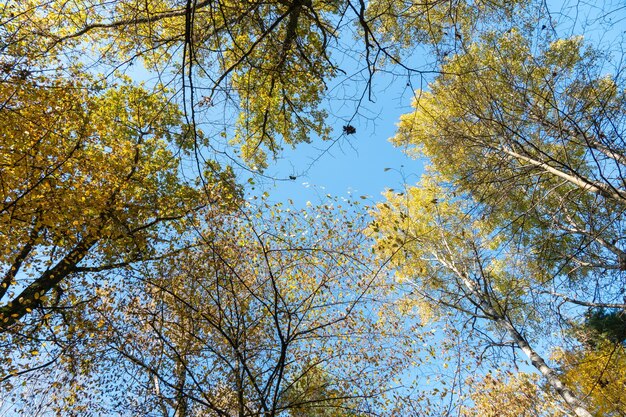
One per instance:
(549, 373)
(536, 360)
(181, 398)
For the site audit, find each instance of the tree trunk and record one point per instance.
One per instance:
(549, 373)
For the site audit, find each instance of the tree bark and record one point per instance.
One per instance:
(537, 361)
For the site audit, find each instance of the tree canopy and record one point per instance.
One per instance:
(144, 272)
(521, 211)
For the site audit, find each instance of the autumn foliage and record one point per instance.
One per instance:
(145, 269)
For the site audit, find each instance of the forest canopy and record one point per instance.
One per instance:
(146, 269)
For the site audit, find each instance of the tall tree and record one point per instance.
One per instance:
(89, 185)
(521, 212)
(86, 183)
(262, 316)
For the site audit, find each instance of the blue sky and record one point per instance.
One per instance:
(355, 164)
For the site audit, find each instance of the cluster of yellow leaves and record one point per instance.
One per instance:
(500, 114)
(506, 395)
(404, 24)
(494, 91)
(598, 375)
(433, 241)
(73, 160)
(87, 172)
(270, 57)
